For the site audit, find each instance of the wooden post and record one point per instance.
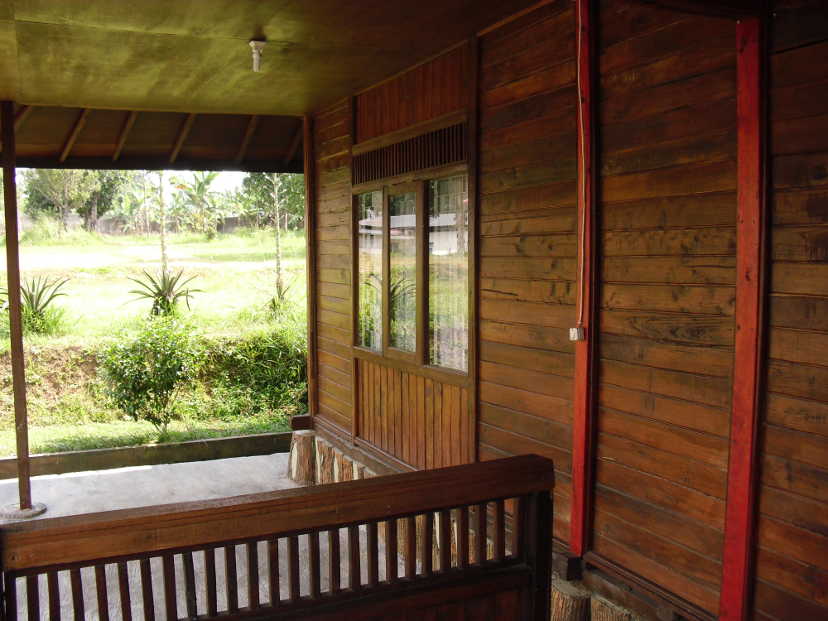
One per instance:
(310, 241)
(734, 603)
(537, 552)
(15, 316)
(585, 336)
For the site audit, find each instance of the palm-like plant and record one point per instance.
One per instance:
(201, 200)
(165, 290)
(36, 297)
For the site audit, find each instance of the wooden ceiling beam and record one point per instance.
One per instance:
(73, 136)
(21, 116)
(122, 137)
(182, 136)
(294, 145)
(714, 8)
(248, 136)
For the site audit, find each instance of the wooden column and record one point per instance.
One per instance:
(310, 241)
(15, 318)
(584, 384)
(750, 279)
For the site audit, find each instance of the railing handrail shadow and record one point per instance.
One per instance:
(447, 498)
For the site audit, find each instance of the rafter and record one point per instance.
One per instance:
(122, 137)
(717, 8)
(182, 136)
(294, 146)
(248, 136)
(21, 116)
(73, 135)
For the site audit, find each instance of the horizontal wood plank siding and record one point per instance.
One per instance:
(332, 138)
(667, 209)
(527, 244)
(427, 91)
(421, 421)
(792, 534)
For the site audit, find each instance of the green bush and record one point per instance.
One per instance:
(144, 374)
(37, 309)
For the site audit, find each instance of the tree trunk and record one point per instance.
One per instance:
(162, 216)
(569, 603)
(280, 285)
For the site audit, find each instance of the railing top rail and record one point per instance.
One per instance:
(128, 532)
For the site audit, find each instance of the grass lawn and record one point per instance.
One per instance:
(235, 274)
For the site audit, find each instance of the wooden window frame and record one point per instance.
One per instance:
(417, 361)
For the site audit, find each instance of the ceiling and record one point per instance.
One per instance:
(193, 55)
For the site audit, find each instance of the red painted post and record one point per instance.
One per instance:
(583, 399)
(750, 278)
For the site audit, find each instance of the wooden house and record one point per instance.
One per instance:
(596, 232)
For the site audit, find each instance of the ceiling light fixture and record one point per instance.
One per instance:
(256, 47)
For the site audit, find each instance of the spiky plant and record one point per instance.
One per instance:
(165, 289)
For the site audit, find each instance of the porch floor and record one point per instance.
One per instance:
(140, 486)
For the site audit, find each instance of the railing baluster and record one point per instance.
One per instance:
(11, 596)
(444, 538)
(428, 543)
(32, 598)
(373, 555)
(210, 581)
(333, 560)
(314, 569)
(146, 590)
(410, 547)
(391, 551)
(54, 596)
(123, 588)
(253, 574)
(100, 588)
(463, 537)
(169, 587)
(77, 594)
(231, 577)
(273, 571)
(500, 531)
(189, 584)
(480, 538)
(354, 569)
(293, 567)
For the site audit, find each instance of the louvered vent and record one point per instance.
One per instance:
(437, 148)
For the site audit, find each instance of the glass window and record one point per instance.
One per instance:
(369, 287)
(448, 273)
(402, 285)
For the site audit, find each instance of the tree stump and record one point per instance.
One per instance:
(569, 602)
(324, 462)
(604, 610)
(302, 461)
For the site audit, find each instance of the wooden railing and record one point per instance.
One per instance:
(473, 539)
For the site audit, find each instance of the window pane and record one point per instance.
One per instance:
(369, 223)
(448, 273)
(402, 288)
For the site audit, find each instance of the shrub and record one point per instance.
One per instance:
(38, 312)
(144, 374)
(165, 290)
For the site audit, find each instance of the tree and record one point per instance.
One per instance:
(110, 187)
(201, 200)
(65, 190)
(257, 198)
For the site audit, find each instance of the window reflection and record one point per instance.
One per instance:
(402, 285)
(369, 287)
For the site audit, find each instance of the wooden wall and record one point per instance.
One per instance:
(421, 421)
(425, 92)
(667, 206)
(332, 143)
(527, 246)
(792, 555)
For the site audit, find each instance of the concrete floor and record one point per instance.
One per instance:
(125, 488)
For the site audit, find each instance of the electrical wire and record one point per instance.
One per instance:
(582, 156)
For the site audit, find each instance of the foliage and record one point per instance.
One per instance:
(263, 371)
(202, 214)
(36, 298)
(257, 198)
(145, 374)
(59, 191)
(108, 190)
(165, 290)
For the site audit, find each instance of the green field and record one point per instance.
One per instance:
(236, 276)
